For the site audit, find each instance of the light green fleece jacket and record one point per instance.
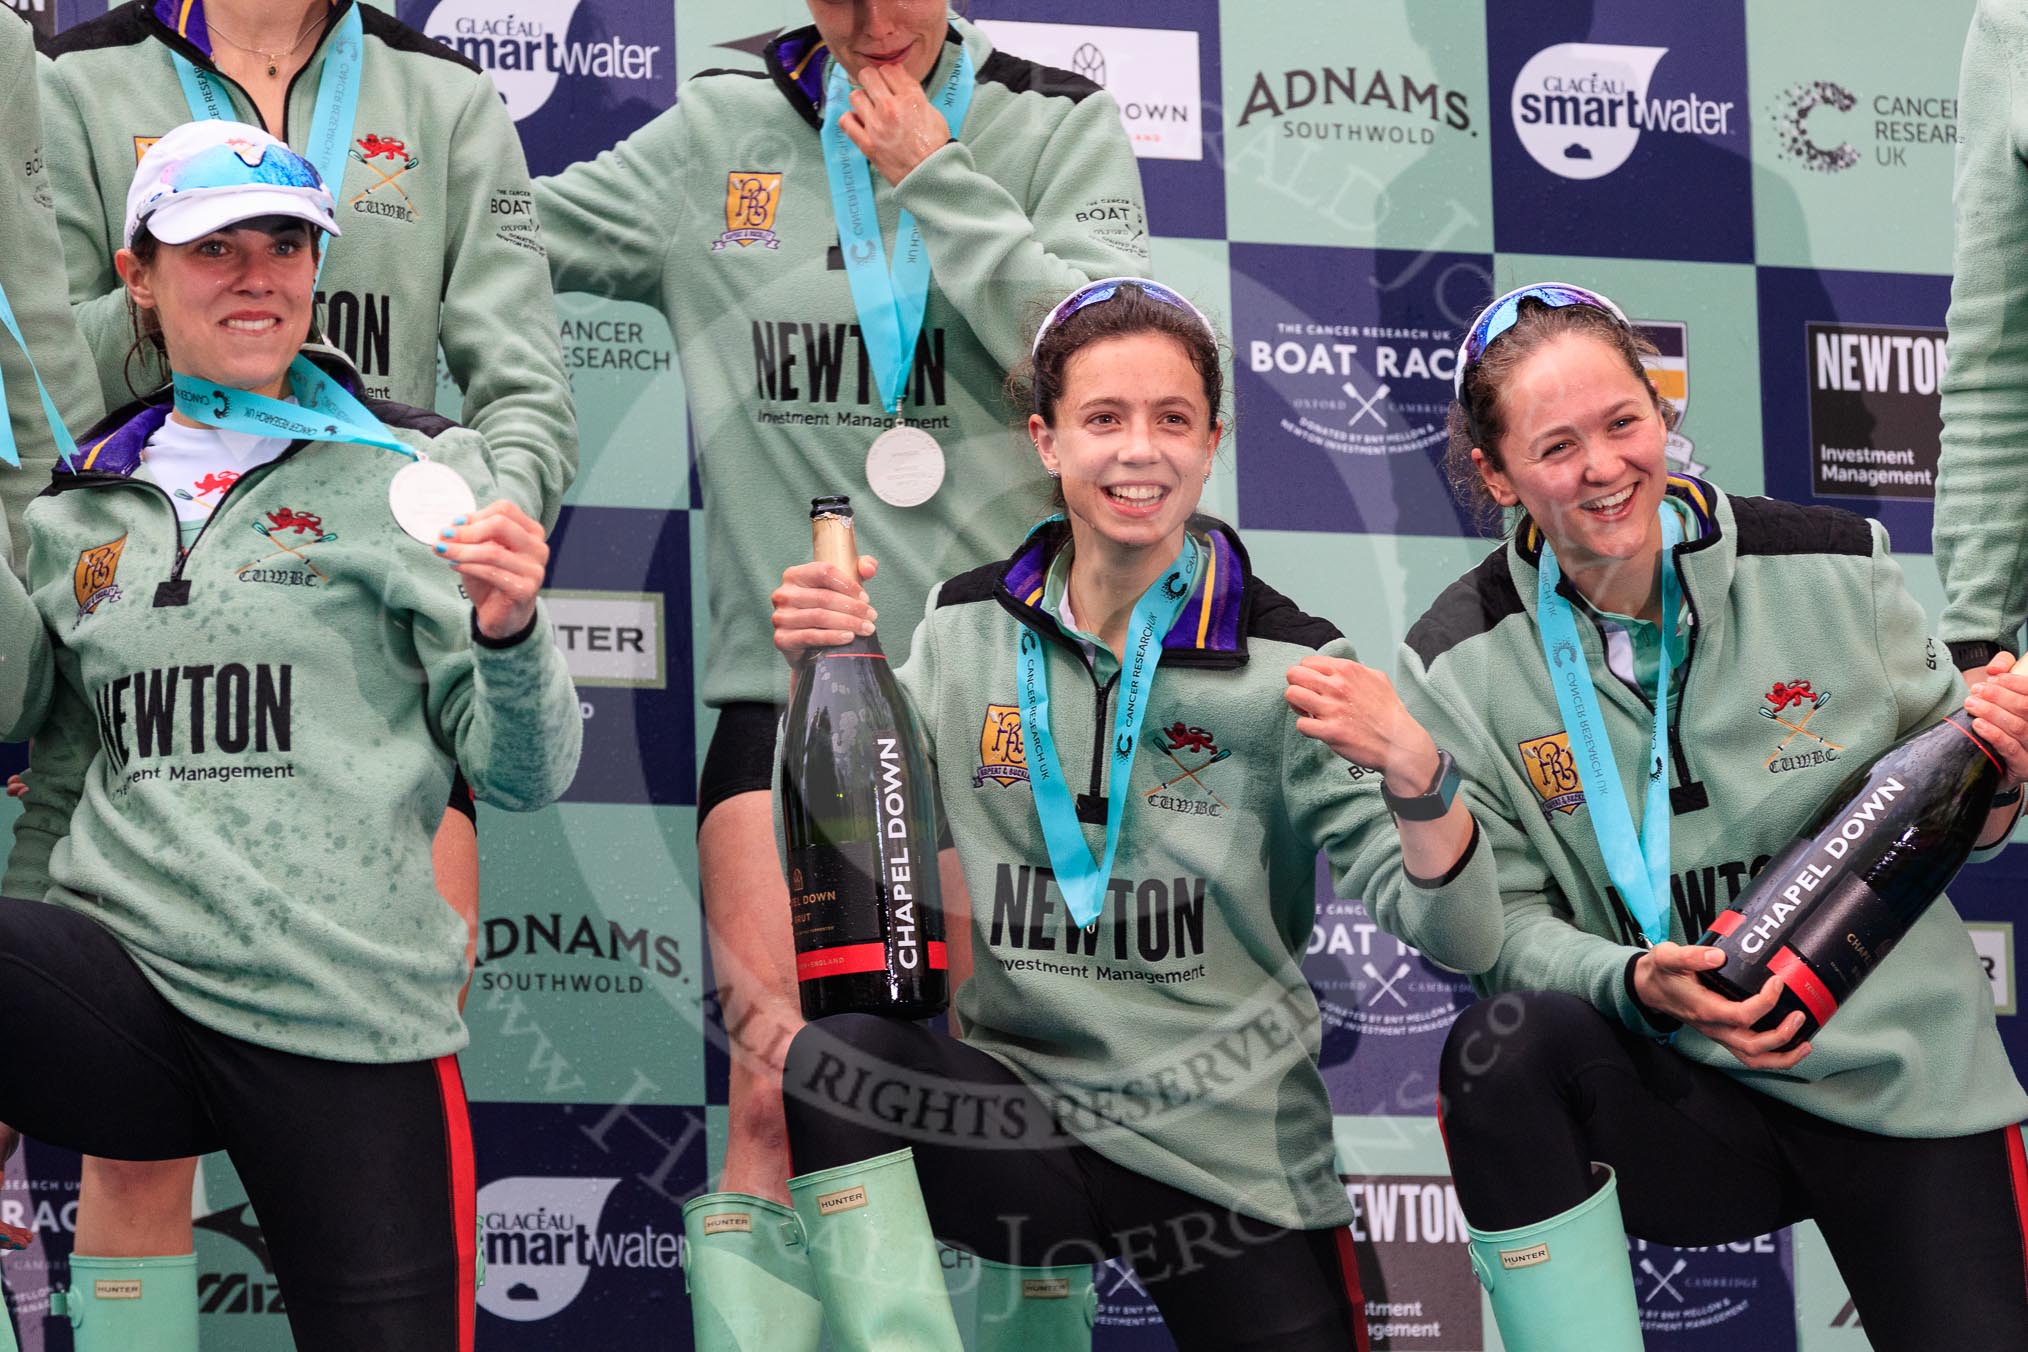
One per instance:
(440, 242)
(1777, 595)
(273, 722)
(1981, 518)
(1178, 1036)
(34, 287)
(1038, 194)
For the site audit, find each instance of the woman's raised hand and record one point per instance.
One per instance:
(502, 555)
(817, 606)
(1353, 710)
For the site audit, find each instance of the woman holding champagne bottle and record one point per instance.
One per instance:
(1142, 747)
(1746, 654)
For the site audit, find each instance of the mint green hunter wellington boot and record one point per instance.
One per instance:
(749, 1278)
(1035, 1309)
(7, 1343)
(126, 1304)
(1565, 1282)
(877, 1268)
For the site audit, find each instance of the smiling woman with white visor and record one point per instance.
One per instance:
(1604, 1090)
(241, 938)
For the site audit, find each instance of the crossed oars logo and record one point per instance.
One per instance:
(303, 523)
(1790, 693)
(376, 147)
(1181, 738)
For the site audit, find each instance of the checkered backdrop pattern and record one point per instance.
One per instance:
(1339, 183)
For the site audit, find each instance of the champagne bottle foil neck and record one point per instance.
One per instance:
(832, 541)
(1962, 721)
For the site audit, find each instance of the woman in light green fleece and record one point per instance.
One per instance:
(284, 623)
(1137, 1078)
(1605, 1086)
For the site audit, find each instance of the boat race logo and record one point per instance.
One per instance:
(751, 200)
(1552, 773)
(1715, 1299)
(1003, 757)
(92, 579)
(1669, 369)
(1383, 1008)
(1580, 108)
(1791, 705)
(386, 159)
(1345, 357)
(1191, 752)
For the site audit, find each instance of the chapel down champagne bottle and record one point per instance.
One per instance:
(1839, 896)
(859, 817)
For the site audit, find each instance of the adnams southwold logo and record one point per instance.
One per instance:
(528, 47)
(1580, 108)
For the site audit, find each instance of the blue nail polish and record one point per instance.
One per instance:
(450, 534)
(443, 549)
(458, 521)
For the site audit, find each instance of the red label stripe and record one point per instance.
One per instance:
(847, 959)
(2017, 1167)
(1978, 742)
(464, 1193)
(1797, 976)
(1725, 922)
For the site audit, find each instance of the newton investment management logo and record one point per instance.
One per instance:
(1580, 108)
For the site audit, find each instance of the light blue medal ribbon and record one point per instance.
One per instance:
(891, 300)
(1637, 863)
(1082, 879)
(9, 452)
(325, 411)
(337, 101)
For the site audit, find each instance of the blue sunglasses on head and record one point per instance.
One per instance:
(1105, 289)
(1501, 315)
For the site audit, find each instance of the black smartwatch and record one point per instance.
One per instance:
(1426, 807)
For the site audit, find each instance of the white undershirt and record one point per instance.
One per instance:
(196, 465)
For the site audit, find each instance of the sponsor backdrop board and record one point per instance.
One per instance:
(1340, 183)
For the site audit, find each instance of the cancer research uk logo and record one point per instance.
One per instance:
(1812, 129)
(1580, 108)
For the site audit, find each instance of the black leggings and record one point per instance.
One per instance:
(1928, 1234)
(361, 1175)
(1002, 1179)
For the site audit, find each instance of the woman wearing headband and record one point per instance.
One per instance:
(1138, 1076)
(845, 249)
(241, 938)
(1606, 1086)
(441, 252)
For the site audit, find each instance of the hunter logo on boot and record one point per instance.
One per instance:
(1521, 1258)
(731, 1221)
(1045, 1288)
(831, 1203)
(117, 1288)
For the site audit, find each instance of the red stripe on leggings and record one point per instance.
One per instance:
(2017, 1168)
(464, 1193)
(1348, 1267)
